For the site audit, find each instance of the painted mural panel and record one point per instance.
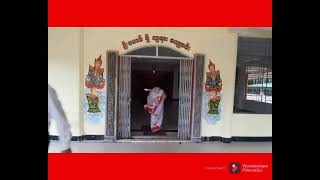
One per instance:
(212, 95)
(94, 106)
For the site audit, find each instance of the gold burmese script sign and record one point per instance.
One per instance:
(157, 39)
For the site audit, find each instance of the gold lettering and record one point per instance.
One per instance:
(157, 39)
(162, 38)
(188, 46)
(140, 38)
(125, 45)
(177, 43)
(147, 38)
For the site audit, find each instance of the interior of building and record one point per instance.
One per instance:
(145, 73)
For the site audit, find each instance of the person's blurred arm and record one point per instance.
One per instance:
(56, 112)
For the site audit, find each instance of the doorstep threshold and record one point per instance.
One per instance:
(152, 141)
(154, 137)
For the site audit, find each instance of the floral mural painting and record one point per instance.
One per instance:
(212, 99)
(95, 93)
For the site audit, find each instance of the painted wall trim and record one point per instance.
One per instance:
(236, 139)
(81, 138)
(203, 139)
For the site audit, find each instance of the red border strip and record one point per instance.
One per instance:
(164, 13)
(158, 166)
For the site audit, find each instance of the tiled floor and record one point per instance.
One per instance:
(165, 147)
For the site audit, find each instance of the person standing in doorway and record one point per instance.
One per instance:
(56, 112)
(155, 106)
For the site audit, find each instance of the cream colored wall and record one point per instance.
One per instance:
(216, 43)
(72, 50)
(252, 125)
(64, 72)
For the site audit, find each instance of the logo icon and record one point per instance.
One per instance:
(235, 168)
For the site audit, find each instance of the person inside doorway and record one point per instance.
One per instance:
(56, 112)
(155, 106)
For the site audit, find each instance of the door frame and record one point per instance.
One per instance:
(193, 101)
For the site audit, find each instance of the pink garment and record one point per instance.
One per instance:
(155, 107)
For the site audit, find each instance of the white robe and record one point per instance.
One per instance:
(56, 112)
(155, 105)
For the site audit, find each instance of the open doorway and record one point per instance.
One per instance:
(134, 73)
(145, 72)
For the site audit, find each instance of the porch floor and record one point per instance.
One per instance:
(164, 146)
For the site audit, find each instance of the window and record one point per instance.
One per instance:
(259, 84)
(253, 86)
(156, 51)
(164, 51)
(145, 51)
